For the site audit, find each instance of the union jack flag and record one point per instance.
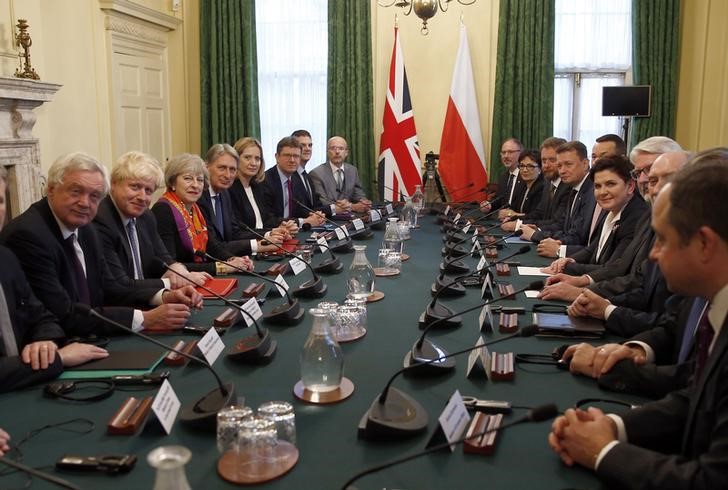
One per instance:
(399, 153)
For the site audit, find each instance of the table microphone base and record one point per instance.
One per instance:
(363, 234)
(344, 247)
(203, 414)
(456, 267)
(450, 290)
(427, 352)
(329, 266)
(437, 312)
(285, 314)
(313, 288)
(253, 349)
(399, 417)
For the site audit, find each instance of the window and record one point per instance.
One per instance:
(292, 44)
(593, 48)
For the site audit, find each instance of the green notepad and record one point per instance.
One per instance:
(118, 363)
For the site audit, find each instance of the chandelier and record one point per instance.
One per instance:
(424, 9)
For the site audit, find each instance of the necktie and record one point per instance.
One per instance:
(304, 177)
(339, 180)
(554, 188)
(691, 326)
(81, 284)
(218, 215)
(571, 203)
(289, 199)
(6, 328)
(134, 245)
(705, 338)
(509, 187)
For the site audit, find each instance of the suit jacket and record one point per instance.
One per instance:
(312, 200)
(549, 214)
(170, 235)
(118, 252)
(575, 225)
(638, 308)
(273, 192)
(36, 240)
(528, 200)
(679, 441)
(243, 210)
(501, 197)
(232, 235)
(31, 322)
(627, 262)
(617, 242)
(324, 184)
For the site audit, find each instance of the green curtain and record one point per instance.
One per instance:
(350, 84)
(655, 41)
(228, 71)
(524, 79)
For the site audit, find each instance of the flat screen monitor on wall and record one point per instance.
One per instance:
(626, 101)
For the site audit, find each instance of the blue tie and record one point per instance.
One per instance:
(218, 215)
(691, 327)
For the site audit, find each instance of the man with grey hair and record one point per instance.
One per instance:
(644, 154)
(64, 261)
(31, 341)
(337, 183)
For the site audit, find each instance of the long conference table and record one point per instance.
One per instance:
(330, 451)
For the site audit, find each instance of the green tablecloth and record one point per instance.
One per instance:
(330, 451)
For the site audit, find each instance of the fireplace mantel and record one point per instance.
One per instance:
(19, 149)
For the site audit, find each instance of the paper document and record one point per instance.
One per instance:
(531, 271)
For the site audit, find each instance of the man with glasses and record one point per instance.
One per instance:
(284, 186)
(337, 183)
(509, 185)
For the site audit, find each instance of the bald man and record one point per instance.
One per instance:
(337, 183)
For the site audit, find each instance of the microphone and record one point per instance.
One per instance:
(313, 288)
(347, 241)
(331, 265)
(395, 414)
(203, 413)
(436, 311)
(424, 350)
(250, 349)
(536, 414)
(286, 313)
(471, 184)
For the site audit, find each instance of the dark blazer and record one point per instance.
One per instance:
(311, 199)
(167, 227)
(617, 242)
(324, 184)
(118, 252)
(639, 307)
(549, 214)
(528, 202)
(576, 224)
(679, 441)
(232, 235)
(273, 192)
(628, 262)
(501, 197)
(244, 211)
(31, 322)
(36, 240)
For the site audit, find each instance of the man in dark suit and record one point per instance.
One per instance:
(128, 229)
(337, 183)
(65, 264)
(29, 334)
(285, 187)
(575, 231)
(679, 441)
(509, 185)
(312, 200)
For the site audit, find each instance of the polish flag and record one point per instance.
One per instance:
(462, 157)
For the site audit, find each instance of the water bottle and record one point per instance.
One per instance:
(392, 237)
(418, 200)
(361, 275)
(408, 216)
(322, 361)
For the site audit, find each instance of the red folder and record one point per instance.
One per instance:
(222, 286)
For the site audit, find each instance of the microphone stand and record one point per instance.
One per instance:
(425, 350)
(203, 413)
(255, 348)
(537, 414)
(284, 314)
(394, 414)
(337, 225)
(314, 288)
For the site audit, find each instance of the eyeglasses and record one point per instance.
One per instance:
(636, 173)
(529, 166)
(337, 148)
(509, 152)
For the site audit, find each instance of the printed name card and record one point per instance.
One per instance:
(358, 224)
(211, 345)
(281, 285)
(297, 265)
(166, 406)
(451, 422)
(253, 309)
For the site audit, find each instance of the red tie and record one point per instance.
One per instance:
(289, 187)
